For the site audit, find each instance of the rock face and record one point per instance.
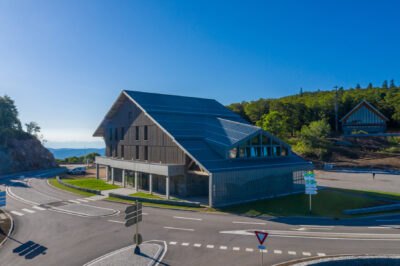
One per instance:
(25, 155)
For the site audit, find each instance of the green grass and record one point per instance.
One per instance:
(162, 205)
(381, 194)
(54, 183)
(324, 204)
(90, 183)
(145, 195)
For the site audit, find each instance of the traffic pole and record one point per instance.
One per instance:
(262, 257)
(310, 203)
(137, 248)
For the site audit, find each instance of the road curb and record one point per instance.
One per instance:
(10, 230)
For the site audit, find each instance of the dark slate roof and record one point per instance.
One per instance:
(202, 127)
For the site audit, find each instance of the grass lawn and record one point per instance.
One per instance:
(163, 205)
(145, 195)
(324, 204)
(90, 183)
(381, 194)
(54, 183)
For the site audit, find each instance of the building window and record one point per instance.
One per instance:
(122, 151)
(137, 152)
(137, 133)
(146, 153)
(110, 133)
(122, 133)
(145, 135)
(116, 133)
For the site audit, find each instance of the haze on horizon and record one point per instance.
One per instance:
(65, 62)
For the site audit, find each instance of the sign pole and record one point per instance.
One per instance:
(310, 203)
(137, 248)
(262, 258)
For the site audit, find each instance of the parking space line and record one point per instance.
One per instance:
(17, 213)
(28, 211)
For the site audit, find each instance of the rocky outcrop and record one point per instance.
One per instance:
(25, 155)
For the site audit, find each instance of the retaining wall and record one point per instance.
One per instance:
(97, 192)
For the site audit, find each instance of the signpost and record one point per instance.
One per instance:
(2, 198)
(310, 185)
(133, 215)
(261, 236)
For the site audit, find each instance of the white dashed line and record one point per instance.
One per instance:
(292, 252)
(236, 248)
(188, 218)
(321, 254)
(38, 208)
(83, 200)
(73, 201)
(263, 251)
(223, 247)
(17, 213)
(172, 243)
(185, 244)
(197, 245)
(210, 246)
(236, 222)
(113, 221)
(28, 211)
(249, 249)
(277, 251)
(175, 228)
(306, 254)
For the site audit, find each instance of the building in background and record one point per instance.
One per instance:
(195, 148)
(364, 117)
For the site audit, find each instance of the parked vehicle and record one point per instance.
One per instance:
(77, 171)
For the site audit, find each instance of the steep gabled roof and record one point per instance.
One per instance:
(200, 127)
(369, 106)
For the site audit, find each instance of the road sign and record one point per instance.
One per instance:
(133, 208)
(133, 214)
(133, 220)
(311, 192)
(261, 247)
(2, 198)
(261, 236)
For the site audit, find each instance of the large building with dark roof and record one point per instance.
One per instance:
(194, 148)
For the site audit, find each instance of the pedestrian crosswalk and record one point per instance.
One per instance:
(246, 249)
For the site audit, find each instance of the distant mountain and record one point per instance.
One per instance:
(66, 152)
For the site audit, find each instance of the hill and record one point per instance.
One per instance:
(66, 152)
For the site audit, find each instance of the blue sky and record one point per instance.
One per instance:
(65, 62)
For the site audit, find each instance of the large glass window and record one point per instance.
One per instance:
(137, 152)
(116, 133)
(122, 133)
(145, 137)
(137, 133)
(233, 153)
(110, 133)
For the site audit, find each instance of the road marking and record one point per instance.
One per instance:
(28, 211)
(83, 200)
(380, 227)
(223, 247)
(306, 253)
(17, 213)
(292, 252)
(197, 245)
(263, 250)
(145, 213)
(172, 243)
(238, 222)
(210, 246)
(113, 221)
(236, 248)
(188, 218)
(321, 254)
(185, 244)
(249, 249)
(175, 228)
(90, 199)
(277, 251)
(73, 201)
(38, 208)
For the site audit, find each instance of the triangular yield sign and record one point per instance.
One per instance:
(261, 236)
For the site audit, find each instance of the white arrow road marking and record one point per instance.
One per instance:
(38, 208)
(17, 213)
(28, 211)
(239, 222)
(188, 218)
(175, 228)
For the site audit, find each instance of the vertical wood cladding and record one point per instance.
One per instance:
(161, 148)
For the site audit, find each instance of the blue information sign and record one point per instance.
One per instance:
(261, 247)
(2, 198)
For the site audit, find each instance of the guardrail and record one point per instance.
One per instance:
(97, 192)
(383, 208)
(160, 201)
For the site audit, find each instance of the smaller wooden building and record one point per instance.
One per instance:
(364, 117)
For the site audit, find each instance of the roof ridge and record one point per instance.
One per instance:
(173, 95)
(245, 124)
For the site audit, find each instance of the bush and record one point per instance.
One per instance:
(315, 132)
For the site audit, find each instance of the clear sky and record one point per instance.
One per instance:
(65, 62)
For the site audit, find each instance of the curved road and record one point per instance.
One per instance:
(54, 227)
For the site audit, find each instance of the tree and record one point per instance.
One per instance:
(385, 84)
(275, 123)
(315, 132)
(301, 92)
(9, 114)
(392, 85)
(358, 86)
(90, 157)
(255, 109)
(33, 128)
(369, 86)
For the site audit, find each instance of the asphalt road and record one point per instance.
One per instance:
(61, 228)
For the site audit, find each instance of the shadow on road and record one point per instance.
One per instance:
(155, 260)
(30, 250)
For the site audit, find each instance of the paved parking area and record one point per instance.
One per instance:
(360, 181)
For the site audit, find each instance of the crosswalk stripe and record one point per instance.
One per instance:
(321, 254)
(28, 211)
(249, 249)
(172, 243)
(185, 244)
(223, 247)
(197, 245)
(210, 246)
(277, 251)
(306, 253)
(17, 213)
(236, 248)
(90, 199)
(83, 200)
(292, 252)
(38, 208)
